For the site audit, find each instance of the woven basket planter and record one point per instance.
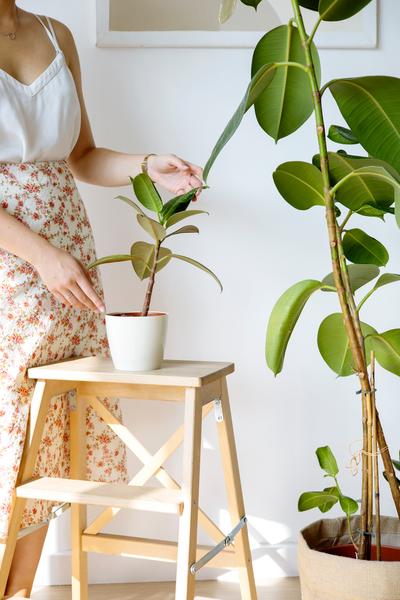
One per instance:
(326, 576)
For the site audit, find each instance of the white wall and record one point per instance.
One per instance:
(171, 100)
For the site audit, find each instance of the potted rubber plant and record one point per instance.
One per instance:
(351, 556)
(137, 338)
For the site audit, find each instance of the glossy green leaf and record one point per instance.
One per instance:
(198, 265)
(339, 10)
(146, 192)
(114, 258)
(131, 203)
(311, 4)
(366, 186)
(359, 276)
(334, 345)
(372, 211)
(385, 279)
(342, 135)
(300, 184)
(387, 349)
(152, 227)
(257, 85)
(253, 3)
(177, 204)
(348, 505)
(371, 107)
(287, 102)
(185, 229)
(327, 461)
(396, 464)
(177, 217)
(309, 500)
(333, 491)
(361, 248)
(283, 319)
(226, 9)
(142, 258)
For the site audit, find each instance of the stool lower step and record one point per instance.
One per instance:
(116, 495)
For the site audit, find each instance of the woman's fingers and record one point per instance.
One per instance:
(83, 298)
(198, 171)
(67, 297)
(184, 165)
(60, 297)
(178, 163)
(87, 287)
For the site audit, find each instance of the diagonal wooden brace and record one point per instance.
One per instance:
(152, 466)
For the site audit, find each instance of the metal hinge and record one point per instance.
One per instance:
(219, 547)
(219, 415)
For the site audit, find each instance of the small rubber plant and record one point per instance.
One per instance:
(327, 498)
(148, 259)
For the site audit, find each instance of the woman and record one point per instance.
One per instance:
(50, 305)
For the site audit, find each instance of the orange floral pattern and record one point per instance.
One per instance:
(35, 329)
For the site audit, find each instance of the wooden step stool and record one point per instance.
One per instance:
(201, 386)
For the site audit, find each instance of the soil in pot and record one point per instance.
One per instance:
(388, 553)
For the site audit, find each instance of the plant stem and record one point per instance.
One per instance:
(370, 451)
(368, 295)
(335, 245)
(314, 30)
(346, 220)
(348, 521)
(387, 462)
(346, 296)
(150, 286)
(351, 534)
(378, 540)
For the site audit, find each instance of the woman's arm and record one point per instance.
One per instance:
(104, 167)
(63, 274)
(17, 238)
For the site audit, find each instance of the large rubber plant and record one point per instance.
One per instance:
(285, 91)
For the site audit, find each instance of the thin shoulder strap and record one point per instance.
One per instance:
(51, 33)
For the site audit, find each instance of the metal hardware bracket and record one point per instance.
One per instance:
(219, 415)
(219, 547)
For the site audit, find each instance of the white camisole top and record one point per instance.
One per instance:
(40, 121)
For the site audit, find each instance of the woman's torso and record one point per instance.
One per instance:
(40, 121)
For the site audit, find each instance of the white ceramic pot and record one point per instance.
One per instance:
(136, 342)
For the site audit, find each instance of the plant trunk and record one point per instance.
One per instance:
(378, 540)
(150, 286)
(348, 307)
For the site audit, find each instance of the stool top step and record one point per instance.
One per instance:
(101, 369)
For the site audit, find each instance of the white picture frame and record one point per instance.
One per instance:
(365, 36)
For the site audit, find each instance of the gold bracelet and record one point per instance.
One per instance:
(144, 164)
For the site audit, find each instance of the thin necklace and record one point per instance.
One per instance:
(13, 34)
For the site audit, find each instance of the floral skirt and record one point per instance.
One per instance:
(36, 329)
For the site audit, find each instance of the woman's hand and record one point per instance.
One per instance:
(174, 174)
(67, 279)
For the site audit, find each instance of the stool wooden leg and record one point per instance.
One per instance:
(78, 512)
(187, 539)
(235, 497)
(42, 395)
